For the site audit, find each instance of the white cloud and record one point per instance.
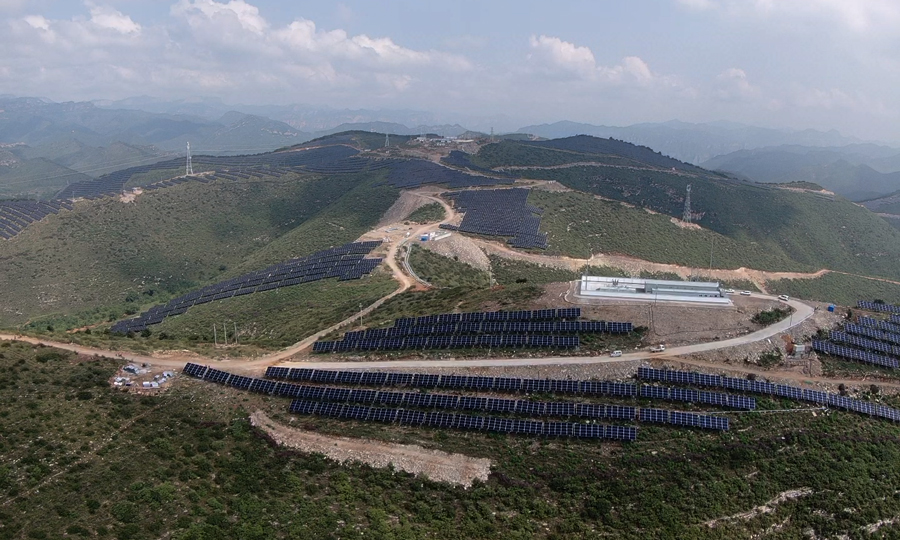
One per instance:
(698, 4)
(228, 49)
(244, 14)
(107, 17)
(856, 15)
(552, 55)
(733, 84)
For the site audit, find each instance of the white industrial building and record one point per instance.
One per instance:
(653, 290)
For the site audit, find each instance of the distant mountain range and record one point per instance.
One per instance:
(694, 143)
(93, 138)
(858, 171)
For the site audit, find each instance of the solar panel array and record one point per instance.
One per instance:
(337, 402)
(678, 418)
(863, 343)
(871, 322)
(16, 215)
(464, 421)
(408, 174)
(878, 306)
(501, 212)
(462, 382)
(851, 353)
(492, 329)
(406, 417)
(697, 396)
(778, 390)
(345, 262)
(337, 398)
(860, 330)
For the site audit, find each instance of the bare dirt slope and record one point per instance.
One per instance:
(457, 246)
(436, 465)
(406, 204)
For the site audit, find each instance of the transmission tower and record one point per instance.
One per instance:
(188, 168)
(687, 206)
(387, 140)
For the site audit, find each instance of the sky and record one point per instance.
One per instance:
(793, 64)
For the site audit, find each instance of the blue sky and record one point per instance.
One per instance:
(824, 64)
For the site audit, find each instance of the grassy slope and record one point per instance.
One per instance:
(33, 178)
(190, 467)
(579, 225)
(418, 303)
(427, 214)
(105, 253)
(840, 289)
(442, 271)
(782, 225)
(265, 321)
(509, 271)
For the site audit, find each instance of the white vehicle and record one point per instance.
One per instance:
(729, 291)
(745, 293)
(615, 354)
(658, 348)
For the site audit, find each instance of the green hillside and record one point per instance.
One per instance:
(127, 256)
(836, 288)
(775, 225)
(33, 178)
(579, 225)
(264, 321)
(442, 271)
(94, 161)
(79, 459)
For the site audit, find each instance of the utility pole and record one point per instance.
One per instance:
(215, 337)
(188, 168)
(225, 328)
(360, 316)
(235, 332)
(686, 217)
(711, 239)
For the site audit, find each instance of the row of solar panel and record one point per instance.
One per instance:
(878, 306)
(874, 333)
(492, 316)
(448, 342)
(677, 418)
(850, 353)
(697, 396)
(558, 327)
(863, 343)
(257, 282)
(463, 421)
(779, 390)
(872, 322)
(470, 382)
